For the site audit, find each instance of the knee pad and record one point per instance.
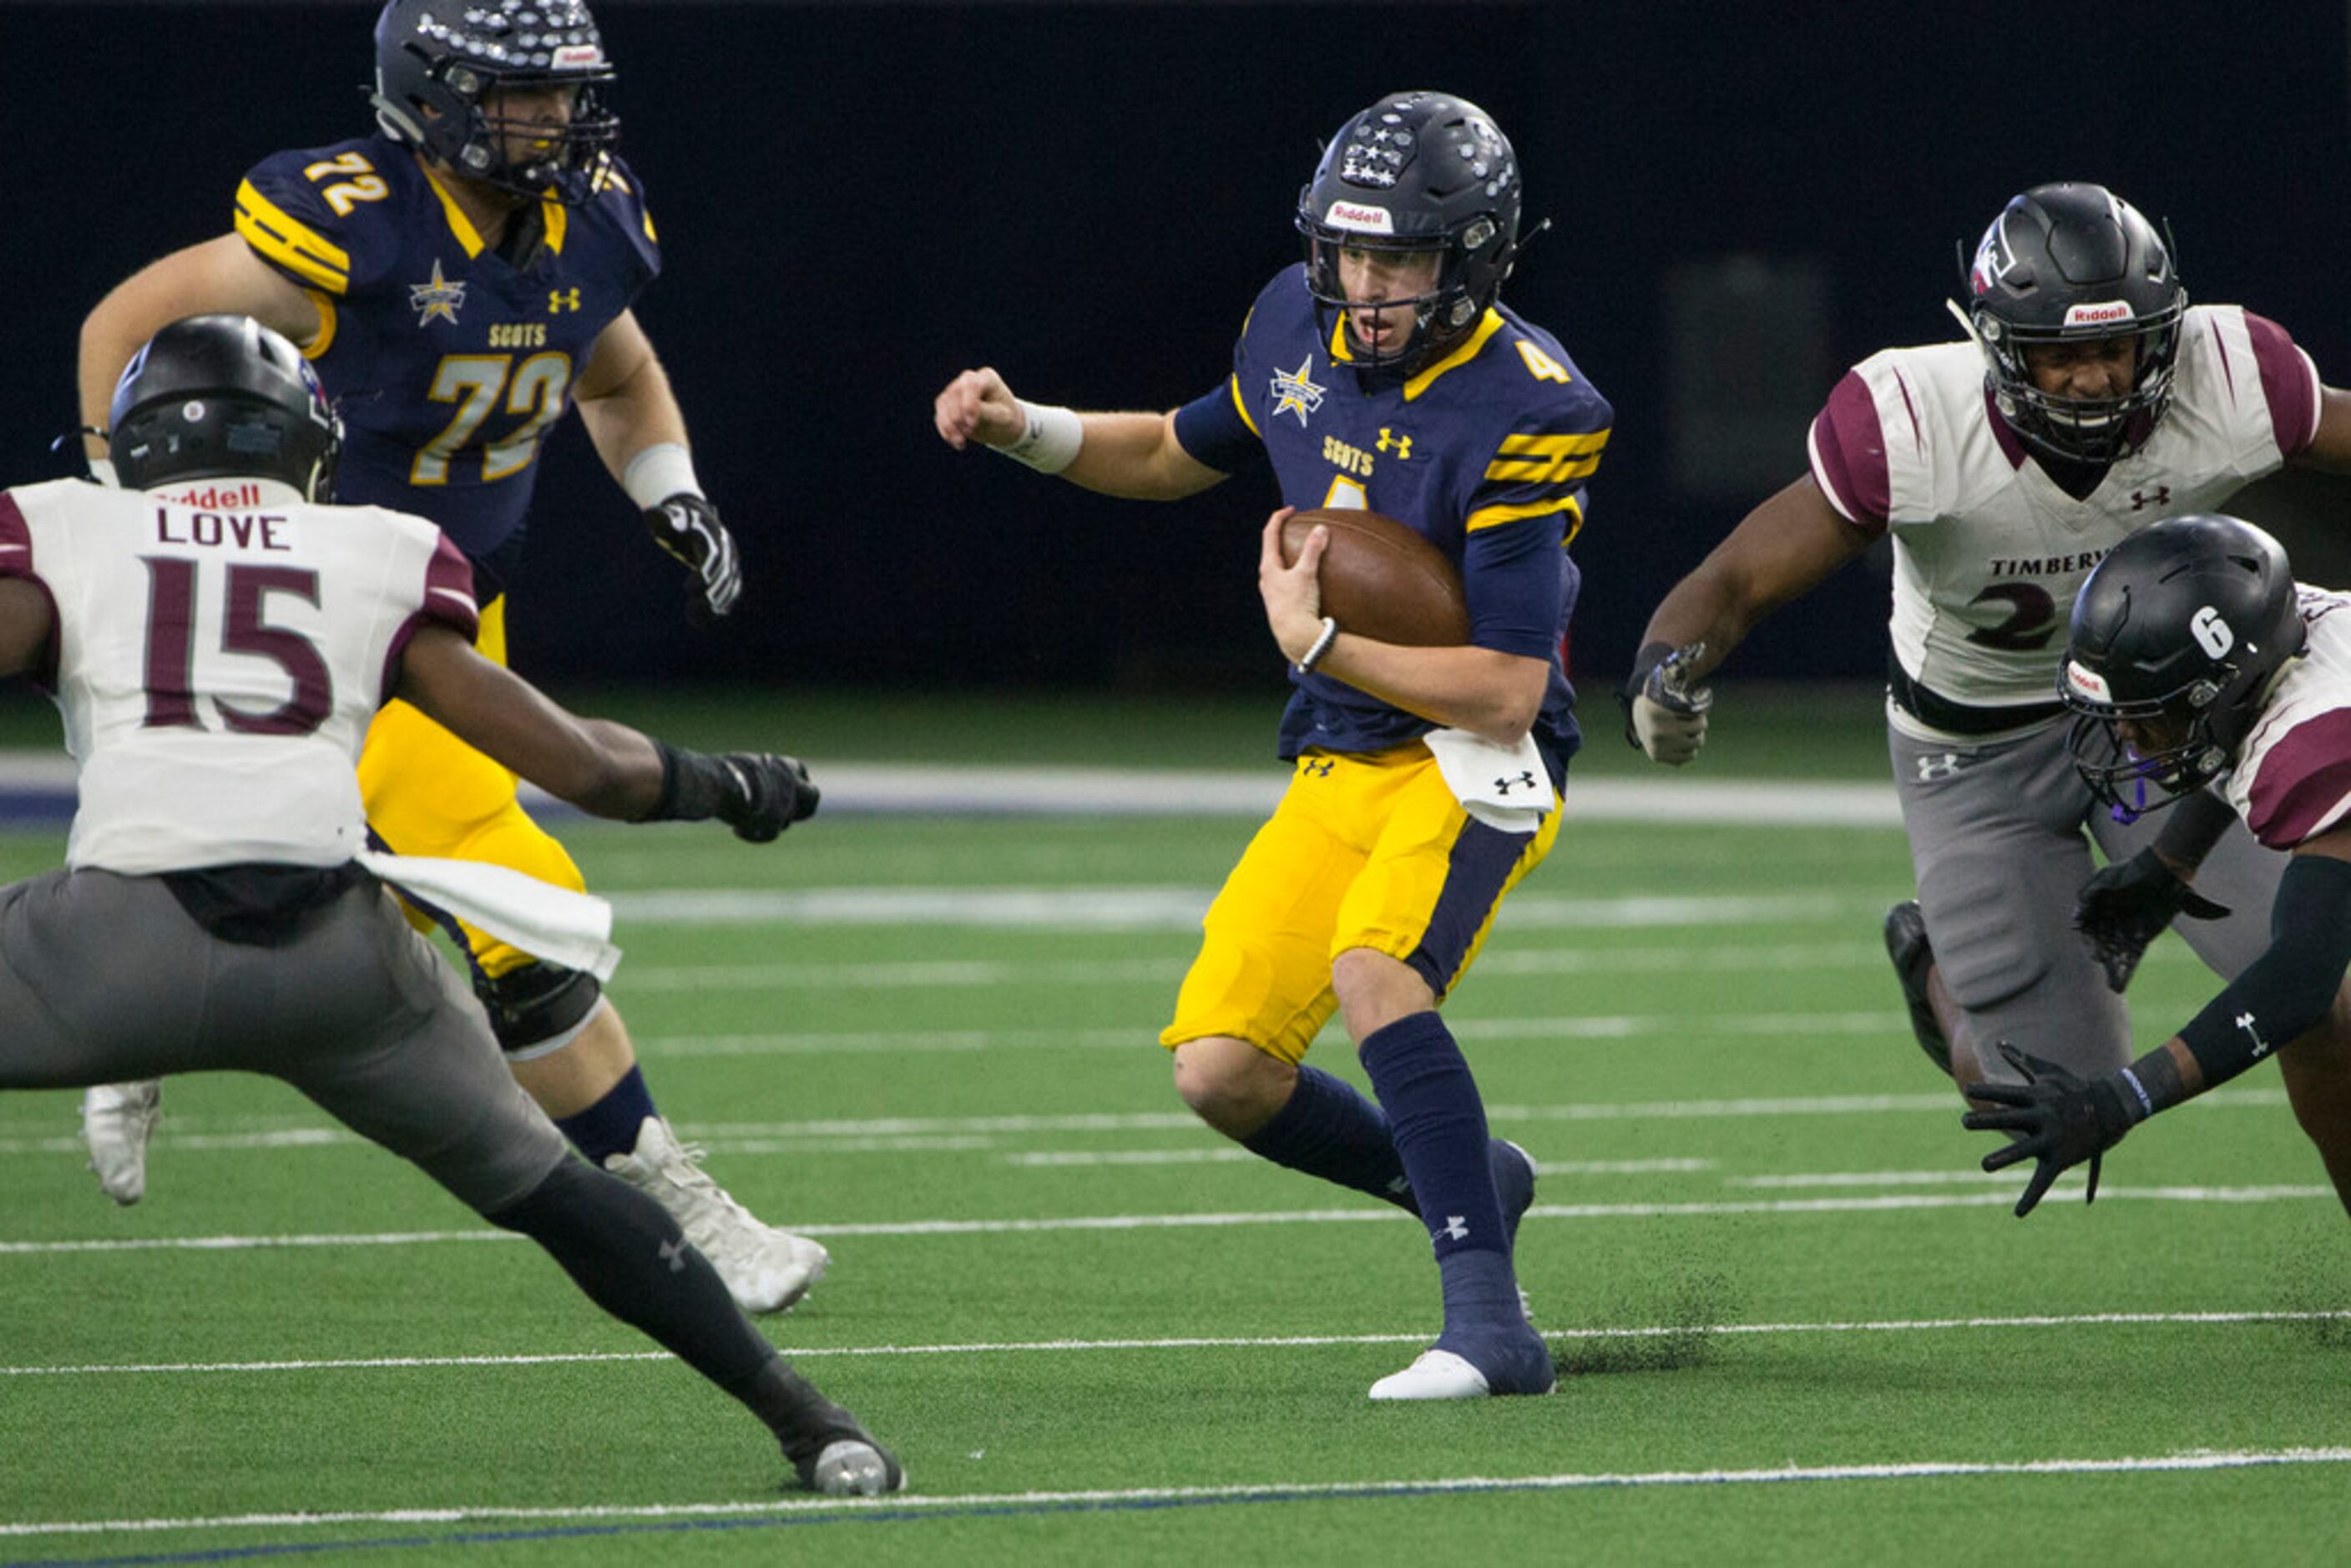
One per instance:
(538, 1009)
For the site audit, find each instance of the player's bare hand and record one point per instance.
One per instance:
(1293, 593)
(977, 406)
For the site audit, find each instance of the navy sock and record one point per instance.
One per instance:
(1328, 1130)
(1439, 1127)
(609, 1126)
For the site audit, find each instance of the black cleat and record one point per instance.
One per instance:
(1906, 944)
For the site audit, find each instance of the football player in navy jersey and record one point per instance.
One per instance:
(459, 279)
(1384, 374)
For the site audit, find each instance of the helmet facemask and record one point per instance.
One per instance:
(2100, 430)
(1421, 173)
(442, 84)
(2120, 773)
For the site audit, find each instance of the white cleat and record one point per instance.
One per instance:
(1435, 1374)
(766, 1269)
(853, 1469)
(117, 1120)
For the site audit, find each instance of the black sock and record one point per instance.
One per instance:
(1328, 1130)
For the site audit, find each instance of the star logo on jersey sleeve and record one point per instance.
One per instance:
(1293, 392)
(438, 299)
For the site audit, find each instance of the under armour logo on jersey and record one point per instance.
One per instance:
(2141, 500)
(1316, 767)
(2261, 1046)
(437, 299)
(1525, 781)
(1293, 392)
(562, 300)
(1453, 1228)
(674, 1254)
(1399, 444)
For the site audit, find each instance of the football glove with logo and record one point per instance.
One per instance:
(757, 794)
(1663, 717)
(2126, 905)
(2056, 1121)
(687, 526)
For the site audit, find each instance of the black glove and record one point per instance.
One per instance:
(687, 526)
(2128, 904)
(1662, 717)
(758, 794)
(2058, 1122)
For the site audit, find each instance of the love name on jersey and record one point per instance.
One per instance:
(244, 530)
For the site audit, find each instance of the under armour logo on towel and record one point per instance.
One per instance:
(1525, 781)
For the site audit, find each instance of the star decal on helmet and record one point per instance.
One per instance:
(1293, 392)
(438, 299)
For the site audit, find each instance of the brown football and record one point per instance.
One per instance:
(1380, 580)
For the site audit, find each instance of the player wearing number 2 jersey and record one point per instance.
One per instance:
(2091, 403)
(459, 279)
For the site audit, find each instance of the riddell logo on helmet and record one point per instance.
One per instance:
(1360, 219)
(2086, 683)
(218, 497)
(572, 57)
(2099, 315)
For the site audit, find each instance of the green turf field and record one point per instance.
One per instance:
(1798, 1326)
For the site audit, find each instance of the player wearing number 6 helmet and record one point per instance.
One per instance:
(1384, 373)
(218, 641)
(459, 279)
(2199, 668)
(2091, 400)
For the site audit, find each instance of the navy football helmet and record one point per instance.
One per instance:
(2065, 264)
(1417, 172)
(442, 68)
(223, 397)
(2177, 631)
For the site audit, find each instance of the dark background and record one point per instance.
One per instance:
(856, 201)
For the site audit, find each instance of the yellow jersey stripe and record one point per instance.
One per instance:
(1242, 408)
(1549, 471)
(328, 319)
(1494, 516)
(459, 223)
(1487, 327)
(1554, 445)
(280, 237)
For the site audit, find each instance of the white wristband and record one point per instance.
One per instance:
(1050, 439)
(1322, 646)
(659, 472)
(102, 470)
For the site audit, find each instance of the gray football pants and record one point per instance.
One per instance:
(1998, 847)
(105, 977)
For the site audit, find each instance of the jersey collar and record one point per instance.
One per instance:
(1467, 351)
(554, 217)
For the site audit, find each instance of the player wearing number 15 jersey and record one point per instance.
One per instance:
(1384, 373)
(2091, 403)
(459, 279)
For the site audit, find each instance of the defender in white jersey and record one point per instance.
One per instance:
(2091, 402)
(2198, 666)
(217, 643)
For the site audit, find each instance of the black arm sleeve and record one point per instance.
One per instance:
(2289, 987)
(2194, 826)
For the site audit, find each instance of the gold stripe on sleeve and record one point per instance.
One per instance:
(280, 237)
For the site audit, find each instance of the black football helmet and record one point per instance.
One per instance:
(439, 64)
(2064, 264)
(223, 397)
(2180, 629)
(1417, 172)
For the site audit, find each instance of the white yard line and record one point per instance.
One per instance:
(1917, 1470)
(1875, 1202)
(2036, 1320)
